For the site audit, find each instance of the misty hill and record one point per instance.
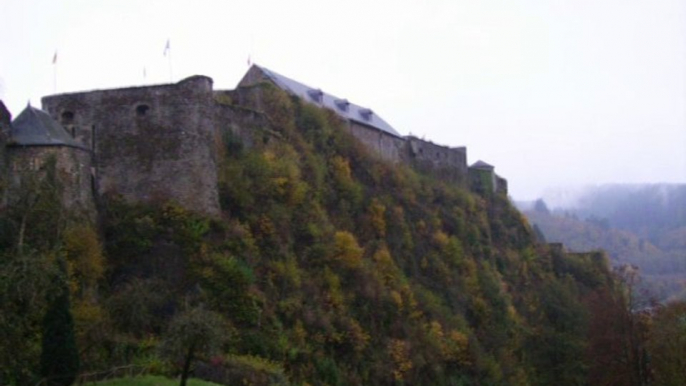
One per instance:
(656, 212)
(643, 225)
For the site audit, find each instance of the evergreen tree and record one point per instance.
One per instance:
(60, 357)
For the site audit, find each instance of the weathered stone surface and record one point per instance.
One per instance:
(73, 168)
(5, 119)
(150, 143)
(387, 146)
(442, 161)
(163, 142)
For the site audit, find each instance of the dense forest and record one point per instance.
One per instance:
(643, 225)
(327, 267)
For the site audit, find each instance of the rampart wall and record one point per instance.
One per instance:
(5, 119)
(149, 143)
(72, 168)
(387, 146)
(443, 161)
(163, 142)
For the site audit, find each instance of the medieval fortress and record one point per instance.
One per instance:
(162, 142)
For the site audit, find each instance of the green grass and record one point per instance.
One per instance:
(152, 380)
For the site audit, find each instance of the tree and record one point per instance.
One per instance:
(60, 357)
(667, 345)
(540, 206)
(194, 332)
(25, 281)
(617, 333)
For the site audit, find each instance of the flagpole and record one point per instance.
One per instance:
(54, 73)
(167, 53)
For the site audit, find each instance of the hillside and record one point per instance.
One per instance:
(327, 266)
(641, 225)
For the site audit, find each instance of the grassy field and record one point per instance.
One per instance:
(152, 380)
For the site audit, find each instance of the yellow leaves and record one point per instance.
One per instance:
(347, 251)
(88, 317)
(335, 294)
(435, 330)
(84, 255)
(265, 226)
(398, 350)
(357, 336)
(288, 272)
(341, 170)
(440, 239)
(284, 176)
(385, 266)
(377, 212)
(345, 184)
(299, 334)
(279, 107)
(456, 348)
(397, 300)
(480, 308)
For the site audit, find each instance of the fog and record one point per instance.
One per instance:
(553, 94)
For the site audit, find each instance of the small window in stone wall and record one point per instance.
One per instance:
(34, 163)
(67, 117)
(142, 110)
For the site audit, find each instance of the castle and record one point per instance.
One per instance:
(161, 142)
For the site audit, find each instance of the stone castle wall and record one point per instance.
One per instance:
(149, 143)
(163, 142)
(443, 161)
(73, 168)
(387, 146)
(5, 119)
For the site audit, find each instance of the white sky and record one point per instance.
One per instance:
(553, 93)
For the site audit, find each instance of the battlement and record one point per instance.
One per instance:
(149, 143)
(161, 142)
(447, 162)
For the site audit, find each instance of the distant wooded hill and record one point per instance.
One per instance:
(643, 225)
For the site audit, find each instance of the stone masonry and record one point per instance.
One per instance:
(148, 143)
(163, 142)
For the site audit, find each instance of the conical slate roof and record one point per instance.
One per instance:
(34, 127)
(482, 165)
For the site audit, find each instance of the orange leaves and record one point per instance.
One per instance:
(399, 352)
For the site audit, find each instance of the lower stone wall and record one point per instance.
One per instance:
(240, 123)
(442, 161)
(5, 119)
(73, 168)
(387, 146)
(150, 143)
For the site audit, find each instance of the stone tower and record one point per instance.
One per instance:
(34, 139)
(149, 143)
(5, 119)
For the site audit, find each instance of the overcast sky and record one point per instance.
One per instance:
(553, 93)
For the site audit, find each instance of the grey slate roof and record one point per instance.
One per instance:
(482, 165)
(34, 127)
(341, 106)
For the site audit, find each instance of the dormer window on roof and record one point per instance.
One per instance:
(316, 95)
(366, 114)
(342, 104)
(345, 109)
